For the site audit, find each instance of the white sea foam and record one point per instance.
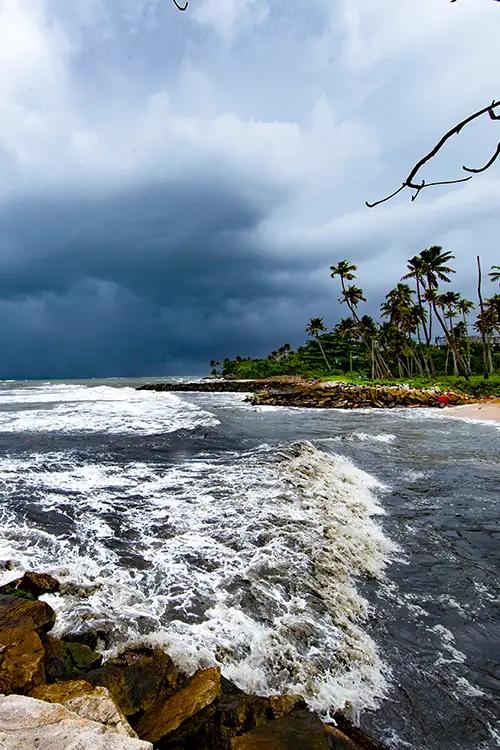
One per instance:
(363, 437)
(247, 561)
(76, 408)
(451, 654)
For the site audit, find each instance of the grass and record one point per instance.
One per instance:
(475, 386)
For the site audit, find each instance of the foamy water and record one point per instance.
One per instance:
(262, 540)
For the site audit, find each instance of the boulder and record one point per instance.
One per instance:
(347, 736)
(22, 652)
(199, 693)
(340, 741)
(31, 585)
(301, 730)
(89, 702)
(31, 724)
(137, 679)
(64, 660)
(25, 614)
(60, 692)
(21, 660)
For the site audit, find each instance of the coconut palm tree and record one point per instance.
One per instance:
(313, 329)
(494, 274)
(416, 270)
(434, 261)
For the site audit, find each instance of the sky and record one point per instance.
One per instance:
(175, 186)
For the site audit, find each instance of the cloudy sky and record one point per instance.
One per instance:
(174, 186)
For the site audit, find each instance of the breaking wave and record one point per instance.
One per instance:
(250, 561)
(76, 408)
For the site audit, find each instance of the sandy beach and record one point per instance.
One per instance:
(489, 411)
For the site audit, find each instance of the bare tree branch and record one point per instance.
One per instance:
(418, 186)
(486, 166)
(180, 7)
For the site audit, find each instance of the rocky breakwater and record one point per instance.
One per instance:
(220, 385)
(60, 694)
(349, 396)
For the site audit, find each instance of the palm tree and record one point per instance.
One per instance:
(313, 329)
(348, 330)
(416, 270)
(352, 296)
(495, 274)
(434, 261)
(345, 270)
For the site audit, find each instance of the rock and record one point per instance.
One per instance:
(282, 705)
(21, 661)
(137, 679)
(31, 584)
(60, 692)
(22, 652)
(25, 614)
(345, 732)
(198, 693)
(31, 724)
(89, 702)
(64, 660)
(99, 706)
(339, 740)
(300, 730)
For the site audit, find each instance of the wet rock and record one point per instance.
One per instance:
(347, 395)
(25, 614)
(60, 692)
(344, 735)
(64, 660)
(31, 724)
(197, 694)
(337, 740)
(282, 705)
(22, 653)
(137, 679)
(31, 585)
(300, 730)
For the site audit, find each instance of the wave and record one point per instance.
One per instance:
(363, 437)
(75, 408)
(249, 561)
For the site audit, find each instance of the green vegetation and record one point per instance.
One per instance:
(425, 337)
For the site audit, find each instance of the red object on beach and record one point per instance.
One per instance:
(443, 400)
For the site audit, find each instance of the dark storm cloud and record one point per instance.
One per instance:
(174, 187)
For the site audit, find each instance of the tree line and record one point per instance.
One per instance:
(426, 329)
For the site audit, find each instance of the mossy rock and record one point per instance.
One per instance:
(64, 661)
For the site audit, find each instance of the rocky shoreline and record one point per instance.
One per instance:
(59, 693)
(296, 392)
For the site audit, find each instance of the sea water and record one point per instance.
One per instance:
(349, 556)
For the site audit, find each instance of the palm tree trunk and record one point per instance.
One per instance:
(323, 353)
(451, 343)
(486, 373)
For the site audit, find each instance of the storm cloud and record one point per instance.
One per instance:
(174, 187)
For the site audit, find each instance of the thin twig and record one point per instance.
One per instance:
(418, 186)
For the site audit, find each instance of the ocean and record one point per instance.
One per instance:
(350, 556)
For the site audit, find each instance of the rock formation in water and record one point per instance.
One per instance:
(59, 694)
(297, 392)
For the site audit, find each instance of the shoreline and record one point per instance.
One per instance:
(478, 411)
(57, 691)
